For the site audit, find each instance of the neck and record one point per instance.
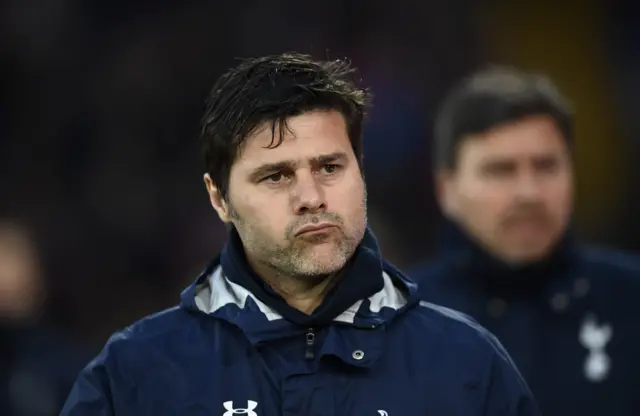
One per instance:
(309, 301)
(482, 265)
(304, 293)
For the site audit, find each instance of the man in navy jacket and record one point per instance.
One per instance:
(299, 315)
(509, 258)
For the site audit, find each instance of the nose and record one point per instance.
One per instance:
(307, 195)
(528, 188)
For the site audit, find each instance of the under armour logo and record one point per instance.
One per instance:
(383, 413)
(249, 410)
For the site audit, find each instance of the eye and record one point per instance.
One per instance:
(274, 178)
(330, 168)
(498, 169)
(548, 165)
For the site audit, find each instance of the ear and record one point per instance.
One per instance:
(217, 201)
(445, 191)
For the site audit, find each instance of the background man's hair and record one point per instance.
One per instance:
(272, 89)
(491, 97)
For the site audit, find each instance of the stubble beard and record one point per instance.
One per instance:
(297, 260)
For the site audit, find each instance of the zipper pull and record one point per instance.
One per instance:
(310, 338)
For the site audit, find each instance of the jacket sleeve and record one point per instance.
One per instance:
(508, 393)
(92, 392)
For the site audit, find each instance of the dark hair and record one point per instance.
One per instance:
(491, 97)
(272, 89)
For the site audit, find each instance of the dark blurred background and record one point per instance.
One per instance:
(101, 100)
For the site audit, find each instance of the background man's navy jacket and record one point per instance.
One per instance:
(570, 323)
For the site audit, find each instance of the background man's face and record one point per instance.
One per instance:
(512, 188)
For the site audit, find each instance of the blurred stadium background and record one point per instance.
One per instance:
(99, 111)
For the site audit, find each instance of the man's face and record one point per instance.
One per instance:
(512, 189)
(299, 208)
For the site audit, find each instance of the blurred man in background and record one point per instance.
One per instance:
(509, 258)
(37, 367)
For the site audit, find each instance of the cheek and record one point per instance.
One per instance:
(262, 214)
(348, 199)
(483, 205)
(560, 199)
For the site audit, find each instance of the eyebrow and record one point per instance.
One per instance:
(330, 158)
(269, 168)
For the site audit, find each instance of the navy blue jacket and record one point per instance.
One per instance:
(570, 323)
(233, 345)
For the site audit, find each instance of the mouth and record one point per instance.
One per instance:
(532, 228)
(528, 222)
(314, 229)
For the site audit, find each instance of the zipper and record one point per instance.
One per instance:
(310, 339)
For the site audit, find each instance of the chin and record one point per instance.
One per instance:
(323, 262)
(529, 254)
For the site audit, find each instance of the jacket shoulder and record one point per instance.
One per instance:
(456, 329)
(619, 262)
(124, 362)
(156, 328)
(430, 269)
(151, 324)
(456, 347)
(159, 323)
(614, 274)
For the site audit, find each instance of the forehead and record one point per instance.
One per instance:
(308, 136)
(527, 137)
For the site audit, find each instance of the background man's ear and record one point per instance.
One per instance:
(445, 192)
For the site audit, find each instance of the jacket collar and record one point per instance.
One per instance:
(471, 261)
(221, 294)
(361, 278)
